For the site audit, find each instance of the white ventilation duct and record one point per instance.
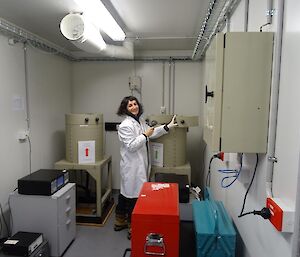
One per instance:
(84, 35)
(124, 52)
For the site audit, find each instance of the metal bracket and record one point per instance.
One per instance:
(270, 12)
(273, 159)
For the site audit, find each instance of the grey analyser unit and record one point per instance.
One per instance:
(54, 216)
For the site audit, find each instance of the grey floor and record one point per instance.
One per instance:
(98, 241)
(91, 241)
(105, 242)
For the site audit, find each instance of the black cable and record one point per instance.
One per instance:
(245, 197)
(2, 214)
(246, 213)
(264, 212)
(207, 183)
(261, 27)
(1, 226)
(126, 250)
(203, 160)
(30, 152)
(11, 217)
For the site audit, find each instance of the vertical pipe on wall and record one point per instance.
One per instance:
(26, 86)
(162, 110)
(27, 101)
(269, 11)
(228, 22)
(173, 92)
(274, 101)
(246, 20)
(170, 85)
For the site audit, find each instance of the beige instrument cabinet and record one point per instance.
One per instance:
(174, 144)
(238, 70)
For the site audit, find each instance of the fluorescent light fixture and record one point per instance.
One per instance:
(82, 33)
(100, 16)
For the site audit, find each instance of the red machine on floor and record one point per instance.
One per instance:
(155, 221)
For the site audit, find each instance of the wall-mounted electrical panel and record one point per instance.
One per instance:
(238, 67)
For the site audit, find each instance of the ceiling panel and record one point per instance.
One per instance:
(153, 24)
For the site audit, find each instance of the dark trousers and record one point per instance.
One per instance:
(125, 206)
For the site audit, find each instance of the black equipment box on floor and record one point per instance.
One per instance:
(22, 243)
(181, 180)
(42, 251)
(43, 182)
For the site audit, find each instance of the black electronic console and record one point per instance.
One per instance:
(43, 182)
(23, 243)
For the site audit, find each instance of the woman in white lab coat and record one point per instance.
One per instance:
(134, 136)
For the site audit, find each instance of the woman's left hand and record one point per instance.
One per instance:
(173, 123)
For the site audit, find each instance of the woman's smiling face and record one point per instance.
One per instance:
(133, 107)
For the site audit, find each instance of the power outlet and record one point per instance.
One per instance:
(282, 214)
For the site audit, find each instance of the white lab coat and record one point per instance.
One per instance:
(134, 166)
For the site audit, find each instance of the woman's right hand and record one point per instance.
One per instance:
(149, 131)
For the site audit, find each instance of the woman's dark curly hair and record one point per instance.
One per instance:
(123, 106)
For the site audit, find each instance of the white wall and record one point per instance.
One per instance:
(100, 87)
(49, 84)
(257, 237)
(50, 99)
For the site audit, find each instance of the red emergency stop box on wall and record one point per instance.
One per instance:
(155, 221)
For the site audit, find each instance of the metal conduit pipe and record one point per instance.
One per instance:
(227, 19)
(27, 102)
(170, 87)
(203, 27)
(138, 59)
(162, 110)
(214, 21)
(26, 87)
(221, 21)
(274, 101)
(23, 36)
(173, 92)
(246, 20)
(270, 11)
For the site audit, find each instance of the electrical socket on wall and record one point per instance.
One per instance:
(282, 214)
